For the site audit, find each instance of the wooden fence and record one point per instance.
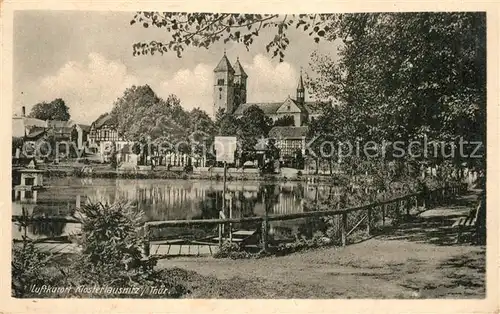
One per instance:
(365, 217)
(350, 219)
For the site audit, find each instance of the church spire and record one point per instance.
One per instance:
(238, 69)
(300, 89)
(224, 65)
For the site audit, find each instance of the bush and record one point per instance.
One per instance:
(111, 252)
(110, 257)
(233, 251)
(28, 264)
(110, 235)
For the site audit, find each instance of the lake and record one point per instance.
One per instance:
(171, 200)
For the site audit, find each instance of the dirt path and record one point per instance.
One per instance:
(416, 260)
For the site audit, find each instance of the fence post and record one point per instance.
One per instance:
(369, 222)
(343, 228)
(220, 235)
(408, 207)
(264, 234)
(397, 212)
(146, 240)
(383, 214)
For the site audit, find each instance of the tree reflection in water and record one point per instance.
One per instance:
(184, 200)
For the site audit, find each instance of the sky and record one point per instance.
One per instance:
(85, 58)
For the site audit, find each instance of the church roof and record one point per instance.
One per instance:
(224, 65)
(268, 107)
(312, 107)
(238, 69)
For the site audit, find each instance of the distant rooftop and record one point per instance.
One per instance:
(288, 132)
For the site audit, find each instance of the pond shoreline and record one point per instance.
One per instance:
(175, 174)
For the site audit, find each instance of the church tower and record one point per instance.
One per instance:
(300, 90)
(240, 84)
(223, 86)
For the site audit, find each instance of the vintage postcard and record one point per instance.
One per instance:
(301, 154)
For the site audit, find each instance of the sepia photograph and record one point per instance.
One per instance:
(212, 155)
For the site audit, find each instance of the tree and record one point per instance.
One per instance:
(17, 142)
(254, 124)
(226, 124)
(158, 126)
(202, 130)
(140, 113)
(424, 77)
(285, 121)
(54, 110)
(203, 29)
(392, 68)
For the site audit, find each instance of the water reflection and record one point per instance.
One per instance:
(176, 199)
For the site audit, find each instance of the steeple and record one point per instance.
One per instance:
(224, 89)
(240, 84)
(224, 65)
(238, 69)
(300, 89)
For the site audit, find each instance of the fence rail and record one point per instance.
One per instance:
(396, 207)
(368, 215)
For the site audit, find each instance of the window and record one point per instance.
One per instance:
(288, 107)
(220, 82)
(28, 195)
(29, 181)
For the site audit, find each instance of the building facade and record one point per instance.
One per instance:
(79, 135)
(230, 94)
(289, 139)
(103, 136)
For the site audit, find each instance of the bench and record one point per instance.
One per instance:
(469, 223)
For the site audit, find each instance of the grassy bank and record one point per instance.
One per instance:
(417, 259)
(391, 270)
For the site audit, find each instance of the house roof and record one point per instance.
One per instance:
(238, 69)
(288, 132)
(59, 123)
(20, 124)
(106, 119)
(224, 65)
(35, 132)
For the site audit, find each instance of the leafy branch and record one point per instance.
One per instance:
(201, 30)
